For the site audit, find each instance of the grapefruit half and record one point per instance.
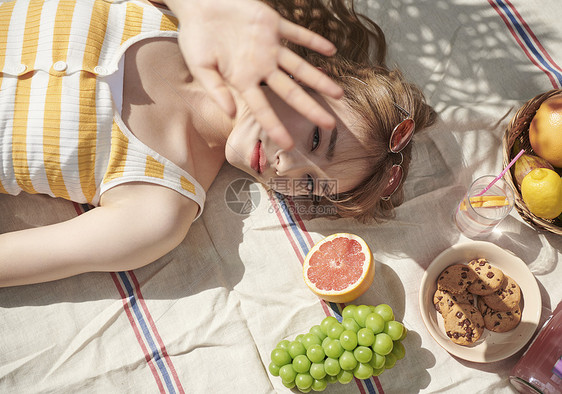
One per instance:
(339, 268)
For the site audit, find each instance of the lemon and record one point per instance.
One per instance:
(541, 190)
(545, 131)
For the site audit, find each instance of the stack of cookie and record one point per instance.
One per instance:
(497, 300)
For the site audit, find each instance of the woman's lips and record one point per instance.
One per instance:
(258, 159)
(263, 159)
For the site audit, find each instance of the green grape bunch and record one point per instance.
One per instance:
(366, 342)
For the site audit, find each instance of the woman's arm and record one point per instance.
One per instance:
(237, 44)
(136, 225)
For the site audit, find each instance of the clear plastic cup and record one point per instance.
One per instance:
(477, 216)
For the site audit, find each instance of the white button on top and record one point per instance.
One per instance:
(60, 66)
(20, 68)
(100, 70)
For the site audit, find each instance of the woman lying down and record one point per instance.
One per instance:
(98, 106)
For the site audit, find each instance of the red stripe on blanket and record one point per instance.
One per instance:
(163, 350)
(378, 384)
(80, 209)
(310, 243)
(77, 208)
(138, 335)
(325, 308)
(532, 34)
(285, 226)
(359, 384)
(521, 43)
(300, 222)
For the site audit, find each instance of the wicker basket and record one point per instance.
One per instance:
(517, 133)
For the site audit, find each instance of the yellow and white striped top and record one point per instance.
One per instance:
(60, 132)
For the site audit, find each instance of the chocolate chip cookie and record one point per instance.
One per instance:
(455, 278)
(489, 278)
(506, 298)
(499, 321)
(443, 300)
(464, 324)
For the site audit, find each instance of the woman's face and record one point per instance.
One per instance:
(322, 162)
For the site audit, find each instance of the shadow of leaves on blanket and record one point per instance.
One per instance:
(464, 59)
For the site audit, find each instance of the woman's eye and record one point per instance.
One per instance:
(315, 138)
(309, 184)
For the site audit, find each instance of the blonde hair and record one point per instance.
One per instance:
(371, 91)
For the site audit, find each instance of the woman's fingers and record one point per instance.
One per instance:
(266, 116)
(301, 101)
(301, 36)
(216, 86)
(304, 72)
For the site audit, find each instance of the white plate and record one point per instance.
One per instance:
(491, 346)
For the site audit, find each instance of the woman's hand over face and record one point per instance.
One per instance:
(236, 44)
